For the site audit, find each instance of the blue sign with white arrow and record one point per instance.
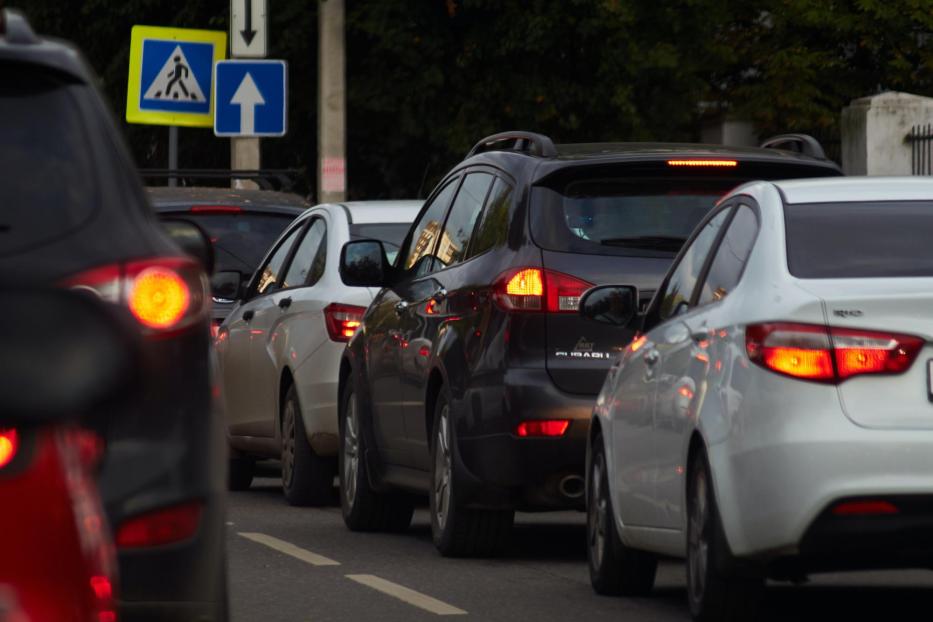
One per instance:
(250, 98)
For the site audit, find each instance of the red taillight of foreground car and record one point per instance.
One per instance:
(536, 289)
(9, 444)
(342, 320)
(166, 526)
(542, 427)
(828, 354)
(164, 294)
(865, 507)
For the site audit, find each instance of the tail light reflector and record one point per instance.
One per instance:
(215, 209)
(163, 294)
(828, 354)
(704, 163)
(542, 427)
(866, 507)
(342, 320)
(161, 527)
(536, 289)
(9, 443)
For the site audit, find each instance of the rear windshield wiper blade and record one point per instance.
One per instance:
(665, 242)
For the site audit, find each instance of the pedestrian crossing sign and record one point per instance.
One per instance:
(170, 75)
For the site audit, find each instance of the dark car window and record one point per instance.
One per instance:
(418, 257)
(49, 183)
(731, 256)
(859, 240)
(240, 240)
(390, 234)
(462, 218)
(307, 265)
(269, 275)
(676, 297)
(494, 222)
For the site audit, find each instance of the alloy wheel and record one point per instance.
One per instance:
(442, 469)
(351, 451)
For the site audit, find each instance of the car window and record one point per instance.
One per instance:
(307, 265)
(462, 218)
(390, 234)
(676, 297)
(494, 222)
(269, 274)
(418, 257)
(731, 256)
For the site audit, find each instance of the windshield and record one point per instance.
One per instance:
(859, 240)
(240, 240)
(390, 234)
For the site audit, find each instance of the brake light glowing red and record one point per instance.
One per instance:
(158, 297)
(867, 507)
(9, 443)
(828, 354)
(215, 209)
(342, 320)
(535, 289)
(542, 427)
(703, 162)
(161, 527)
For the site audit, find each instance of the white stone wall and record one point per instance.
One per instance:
(874, 131)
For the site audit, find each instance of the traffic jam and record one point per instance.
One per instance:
(694, 377)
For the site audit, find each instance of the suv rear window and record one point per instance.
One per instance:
(643, 209)
(859, 240)
(48, 185)
(240, 240)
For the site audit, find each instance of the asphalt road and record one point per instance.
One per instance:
(300, 564)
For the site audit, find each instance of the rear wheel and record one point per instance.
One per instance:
(307, 478)
(363, 508)
(240, 473)
(459, 531)
(615, 569)
(717, 589)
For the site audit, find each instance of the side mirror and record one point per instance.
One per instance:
(363, 263)
(227, 285)
(192, 240)
(53, 370)
(616, 305)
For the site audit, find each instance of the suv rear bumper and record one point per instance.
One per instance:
(499, 469)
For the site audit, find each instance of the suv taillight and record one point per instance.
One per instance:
(828, 354)
(342, 320)
(536, 289)
(9, 444)
(163, 294)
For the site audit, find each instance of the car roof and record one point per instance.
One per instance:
(368, 212)
(856, 189)
(171, 199)
(657, 150)
(19, 43)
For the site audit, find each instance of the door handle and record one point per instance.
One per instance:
(248, 315)
(400, 306)
(651, 357)
(285, 303)
(439, 295)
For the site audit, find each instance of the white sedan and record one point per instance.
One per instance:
(279, 348)
(775, 416)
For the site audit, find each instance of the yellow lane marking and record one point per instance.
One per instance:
(407, 595)
(290, 549)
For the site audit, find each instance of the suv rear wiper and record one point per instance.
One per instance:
(665, 242)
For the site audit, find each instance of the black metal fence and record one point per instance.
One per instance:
(921, 149)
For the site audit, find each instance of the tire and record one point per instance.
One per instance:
(363, 508)
(615, 569)
(719, 587)
(459, 531)
(240, 473)
(307, 478)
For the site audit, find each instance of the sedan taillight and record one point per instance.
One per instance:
(342, 320)
(828, 354)
(9, 444)
(164, 294)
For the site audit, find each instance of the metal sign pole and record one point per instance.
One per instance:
(173, 154)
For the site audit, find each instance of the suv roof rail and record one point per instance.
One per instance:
(15, 29)
(524, 142)
(267, 179)
(801, 143)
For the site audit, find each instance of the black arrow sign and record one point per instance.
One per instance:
(248, 33)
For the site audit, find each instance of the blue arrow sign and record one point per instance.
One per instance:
(250, 98)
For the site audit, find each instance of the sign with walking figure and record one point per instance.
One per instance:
(170, 75)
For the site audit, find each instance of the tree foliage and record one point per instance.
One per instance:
(427, 78)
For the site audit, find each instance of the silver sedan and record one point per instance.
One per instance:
(774, 417)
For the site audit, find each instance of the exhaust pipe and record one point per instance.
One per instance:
(572, 486)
